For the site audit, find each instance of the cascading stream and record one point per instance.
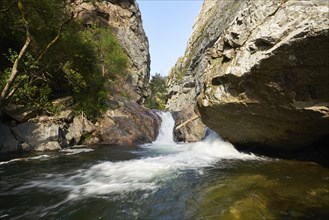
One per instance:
(164, 160)
(162, 180)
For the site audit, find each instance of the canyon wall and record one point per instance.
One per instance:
(258, 72)
(124, 18)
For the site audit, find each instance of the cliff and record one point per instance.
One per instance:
(258, 72)
(124, 122)
(124, 18)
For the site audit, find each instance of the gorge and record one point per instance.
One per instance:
(244, 134)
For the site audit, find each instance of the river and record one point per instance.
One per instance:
(162, 180)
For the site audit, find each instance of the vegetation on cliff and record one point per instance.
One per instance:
(158, 97)
(45, 53)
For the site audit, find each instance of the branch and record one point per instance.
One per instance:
(10, 6)
(13, 90)
(14, 70)
(186, 122)
(56, 38)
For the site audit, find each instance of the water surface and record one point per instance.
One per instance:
(163, 180)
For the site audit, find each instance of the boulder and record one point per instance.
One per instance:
(63, 103)
(128, 125)
(35, 134)
(78, 129)
(20, 113)
(273, 88)
(49, 146)
(188, 126)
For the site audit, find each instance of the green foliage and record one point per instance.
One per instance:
(110, 55)
(80, 64)
(74, 78)
(158, 97)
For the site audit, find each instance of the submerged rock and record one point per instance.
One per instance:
(261, 71)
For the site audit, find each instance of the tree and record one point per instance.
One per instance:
(158, 97)
(31, 17)
(45, 53)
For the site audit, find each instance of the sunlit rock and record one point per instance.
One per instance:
(260, 70)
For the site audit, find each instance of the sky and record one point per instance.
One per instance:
(168, 25)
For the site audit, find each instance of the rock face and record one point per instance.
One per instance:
(260, 71)
(124, 18)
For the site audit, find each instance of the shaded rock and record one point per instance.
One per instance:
(35, 134)
(20, 113)
(8, 143)
(188, 126)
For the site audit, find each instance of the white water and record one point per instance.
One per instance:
(146, 173)
(166, 135)
(66, 152)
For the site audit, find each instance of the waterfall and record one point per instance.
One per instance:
(166, 135)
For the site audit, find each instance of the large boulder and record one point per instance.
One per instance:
(36, 134)
(260, 70)
(268, 84)
(128, 125)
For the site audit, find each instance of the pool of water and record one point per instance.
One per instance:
(163, 180)
(207, 180)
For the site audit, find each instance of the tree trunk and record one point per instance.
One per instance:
(14, 71)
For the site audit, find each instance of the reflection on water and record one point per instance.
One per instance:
(273, 189)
